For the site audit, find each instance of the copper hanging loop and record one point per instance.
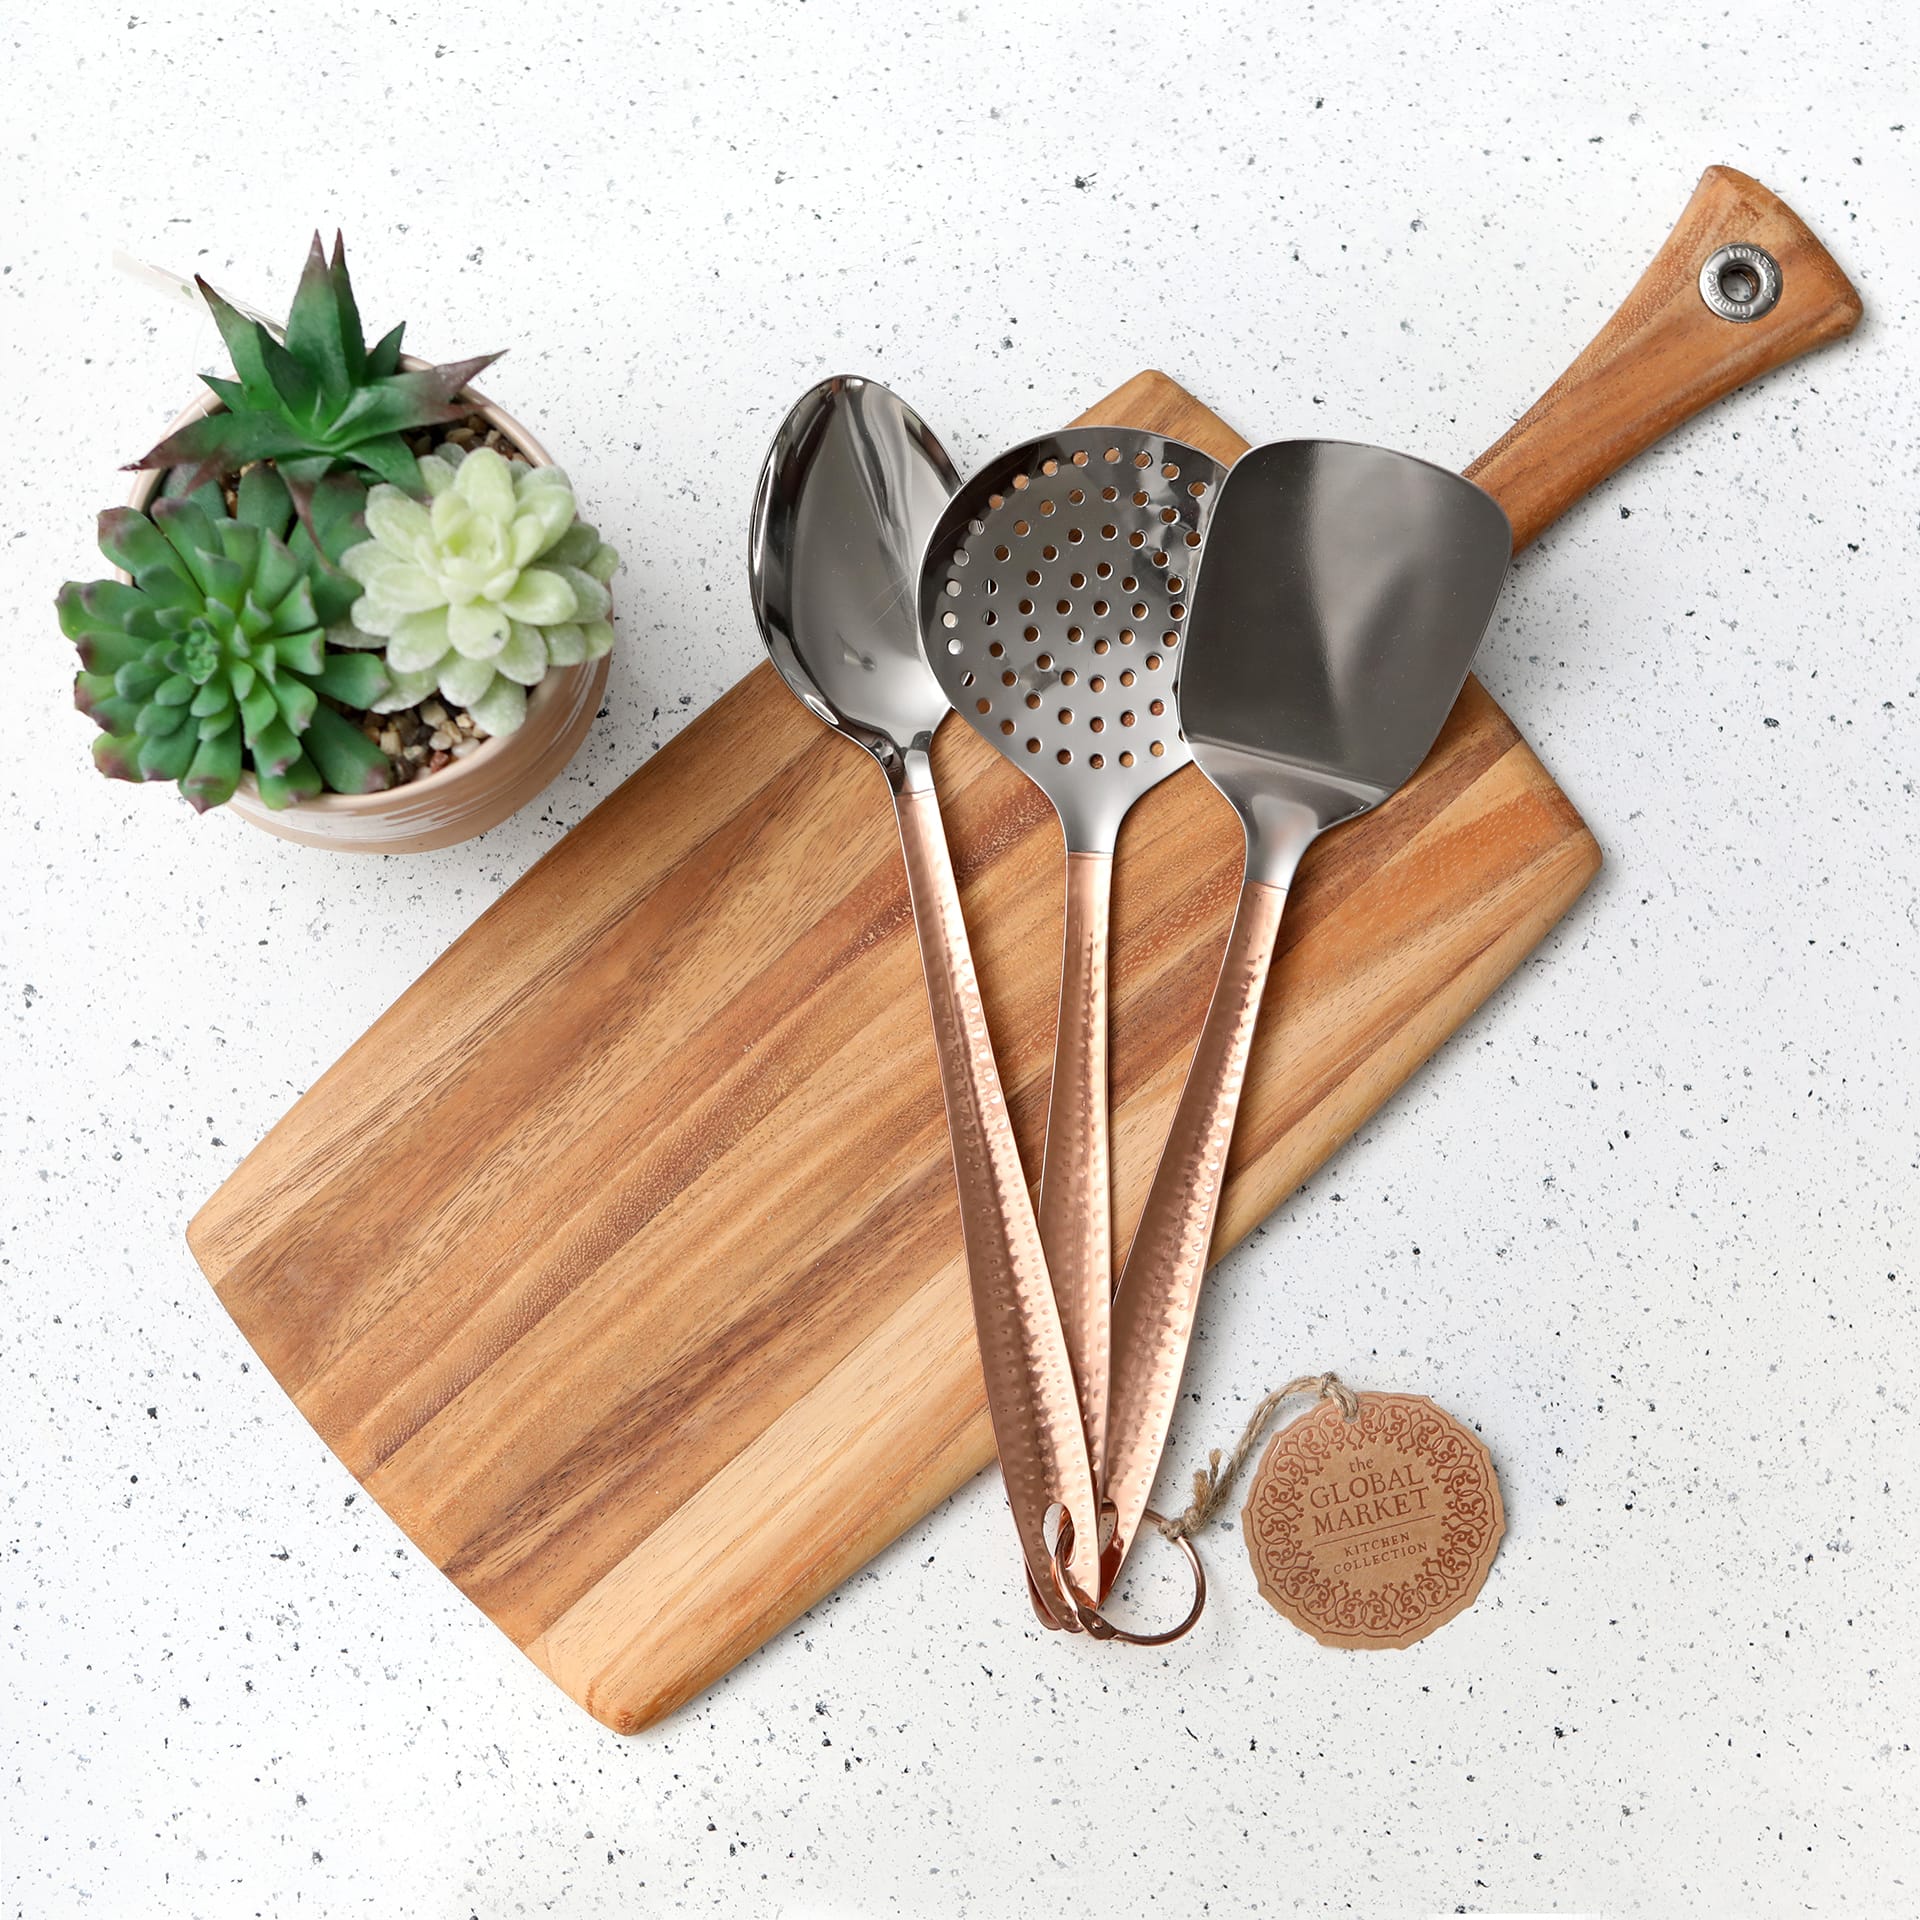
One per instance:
(1095, 1624)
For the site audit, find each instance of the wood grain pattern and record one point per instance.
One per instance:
(670, 1331)
(639, 1303)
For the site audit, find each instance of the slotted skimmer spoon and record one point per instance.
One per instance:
(1053, 603)
(1344, 593)
(852, 484)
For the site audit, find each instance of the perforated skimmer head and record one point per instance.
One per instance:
(1053, 598)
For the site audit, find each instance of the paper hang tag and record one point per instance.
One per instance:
(1371, 1532)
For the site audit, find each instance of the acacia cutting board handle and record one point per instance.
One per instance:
(1665, 354)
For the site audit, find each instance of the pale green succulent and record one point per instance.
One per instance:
(475, 593)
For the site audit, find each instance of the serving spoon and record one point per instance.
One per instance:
(852, 487)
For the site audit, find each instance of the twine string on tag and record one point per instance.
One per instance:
(1214, 1482)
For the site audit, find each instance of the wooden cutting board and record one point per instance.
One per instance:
(638, 1299)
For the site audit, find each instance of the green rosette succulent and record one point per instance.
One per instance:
(478, 593)
(213, 659)
(317, 400)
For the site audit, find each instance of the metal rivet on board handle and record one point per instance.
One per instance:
(1740, 282)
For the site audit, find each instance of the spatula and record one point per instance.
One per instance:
(1342, 594)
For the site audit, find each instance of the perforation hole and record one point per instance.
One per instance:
(1158, 748)
(1126, 759)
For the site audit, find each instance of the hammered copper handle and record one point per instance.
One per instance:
(1076, 1207)
(1153, 1311)
(1023, 1353)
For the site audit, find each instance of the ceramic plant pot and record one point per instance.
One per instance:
(471, 794)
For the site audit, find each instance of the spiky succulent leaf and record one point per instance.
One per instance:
(317, 400)
(470, 590)
(213, 658)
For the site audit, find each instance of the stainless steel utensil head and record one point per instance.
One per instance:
(1053, 602)
(1345, 591)
(852, 485)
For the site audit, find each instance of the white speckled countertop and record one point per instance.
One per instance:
(1678, 1297)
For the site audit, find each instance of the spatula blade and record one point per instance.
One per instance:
(1340, 600)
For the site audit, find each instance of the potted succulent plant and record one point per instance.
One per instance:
(355, 603)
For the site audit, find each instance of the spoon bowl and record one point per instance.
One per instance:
(854, 483)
